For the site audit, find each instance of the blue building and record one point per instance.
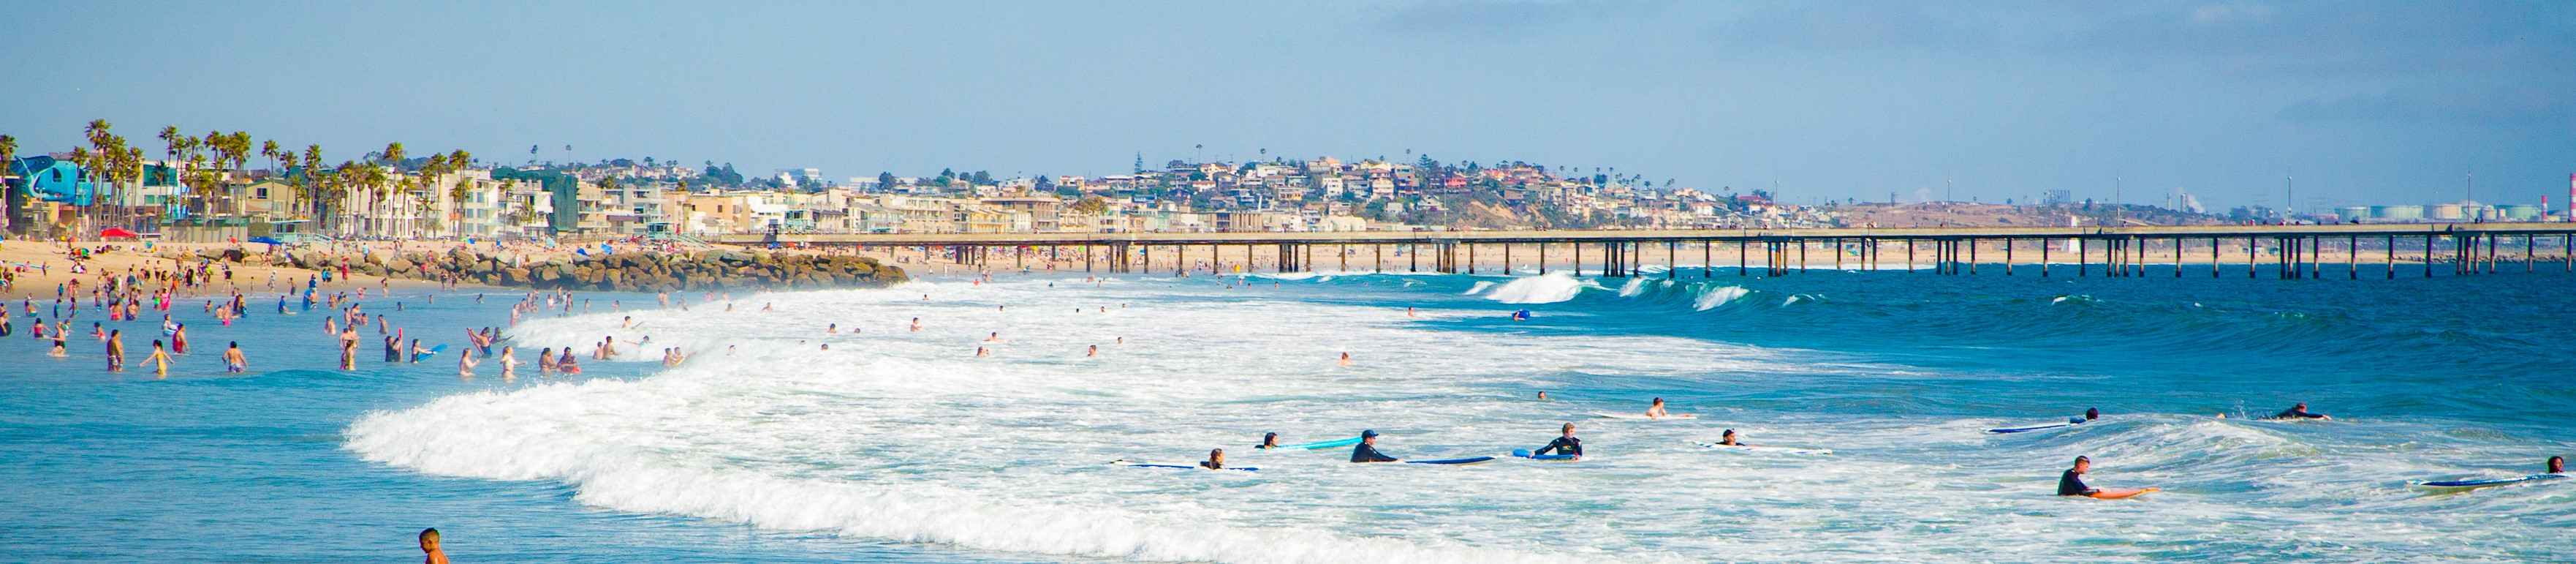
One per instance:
(49, 179)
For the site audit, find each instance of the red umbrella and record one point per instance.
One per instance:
(116, 233)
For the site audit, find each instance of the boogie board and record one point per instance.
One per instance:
(1455, 461)
(1763, 448)
(1643, 416)
(2466, 485)
(433, 351)
(1525, 453)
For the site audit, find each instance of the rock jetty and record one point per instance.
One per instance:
(635, 272)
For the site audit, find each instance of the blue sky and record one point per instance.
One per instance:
(2364, 102)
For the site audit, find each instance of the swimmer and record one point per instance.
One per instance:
(916, 325)
(832, 329)
(1542, 395)
(2557, 465)
(980, 352)
(1346, 358)
(429, 546)
(1565, 443)
(2072, 484)
(995, 337)
(1367, 449)
(2299, 411)
(160, 359)
(1728, 438)
(1268, 441)
(1215, 461)
(1656, 411)
(233, 360)
(1093, 351)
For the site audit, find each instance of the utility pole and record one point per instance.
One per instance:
(2289, 198)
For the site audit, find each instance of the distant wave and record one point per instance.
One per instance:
(1547, 288)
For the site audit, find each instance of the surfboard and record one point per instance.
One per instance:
(2027, 429)
(1123, 462)
(1643, 416)
(1324, 444)
(1764, 448)
(1525, 453)
(2122, 493)
(2465, 485)
(1455, 461)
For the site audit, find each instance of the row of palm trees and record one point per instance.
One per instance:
(316, 190)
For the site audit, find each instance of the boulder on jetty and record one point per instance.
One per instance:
(636, 271)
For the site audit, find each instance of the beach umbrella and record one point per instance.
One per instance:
(116, 233)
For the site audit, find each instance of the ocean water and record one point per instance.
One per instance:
(897, 445)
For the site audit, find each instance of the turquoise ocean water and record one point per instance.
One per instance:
(901, 445)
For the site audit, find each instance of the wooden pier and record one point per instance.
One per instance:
(2292, 251)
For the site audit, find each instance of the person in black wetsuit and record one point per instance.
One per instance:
(2299, 411)
(1268, 440)
(2072, 483)
(1564, 444)
(1367, 450)
(1215, 461)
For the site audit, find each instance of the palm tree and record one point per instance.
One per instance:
(269, 149)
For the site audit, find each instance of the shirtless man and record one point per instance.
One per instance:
(233, 360)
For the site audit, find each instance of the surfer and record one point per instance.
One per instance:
(1542, 395)
(1215, 461)
(2299, 411)
(1656, 411)
(2557, 465)
(1268, 440)
(2072, 484)
(1564, 444)
(1367, 449)
(1728, 438)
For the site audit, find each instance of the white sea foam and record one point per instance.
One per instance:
(1547, 288)
(1479, 288)
(905, 436)
(1632, 288)
(1718, 296)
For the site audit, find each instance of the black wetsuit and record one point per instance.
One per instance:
(2070, 484)
(1211, 465)
(1562, 445)
(2296, 413)
(1366, 453)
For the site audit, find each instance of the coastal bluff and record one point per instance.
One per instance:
(632, 271)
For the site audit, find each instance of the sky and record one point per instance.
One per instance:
(2359, 102)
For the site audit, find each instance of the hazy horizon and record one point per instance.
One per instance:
(2372, 102)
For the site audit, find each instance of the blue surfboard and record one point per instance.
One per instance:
(1525, 453)
(1454, 461)
(2488, 483)
(433, 351)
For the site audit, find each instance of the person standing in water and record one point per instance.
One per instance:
(116, 350)
(160, 359)
(2072, 484)
(1367, 449)
(233, 360)
(429, 547)
(1656, 411)
(1565, 443)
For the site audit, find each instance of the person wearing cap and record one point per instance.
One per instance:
(1268, 440)
(2072, 484)
(1367, 449)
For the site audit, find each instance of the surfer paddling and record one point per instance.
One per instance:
(1268, 441)
(1215, 461)
(1367, 449)
(2072, 484)
(2557, 465)
(1565, 443)
(2299, 411)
